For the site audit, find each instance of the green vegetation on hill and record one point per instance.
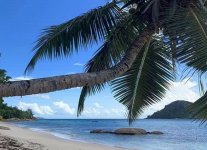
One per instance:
(177, 109)
(7, 112)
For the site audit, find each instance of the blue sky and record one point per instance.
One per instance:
(21, 24)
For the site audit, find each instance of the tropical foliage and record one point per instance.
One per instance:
(7, 112)
(180, 36)
(3, 77)
(147, 80)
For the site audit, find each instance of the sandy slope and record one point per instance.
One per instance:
(43, 141)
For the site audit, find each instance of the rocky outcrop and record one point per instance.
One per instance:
(156, 132)
(127, 131)
(101, 131)
(130, 131)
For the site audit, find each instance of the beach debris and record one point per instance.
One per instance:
(8, 143)
(4, 128)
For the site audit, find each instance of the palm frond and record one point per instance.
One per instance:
(133, 98)
(100, 61)
(198, 109)
(191, 50)
(127, 3)
(146, 82)
(190, 33)
(109, 54)
(82, 31)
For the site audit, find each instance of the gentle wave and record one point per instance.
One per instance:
(178, 134)
(56, 134)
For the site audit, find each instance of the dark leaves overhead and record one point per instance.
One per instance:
(146, 82)
(188, 31)
(62, 40)
(109, 54)
(187, 36)
(199, 108)
(132, 2)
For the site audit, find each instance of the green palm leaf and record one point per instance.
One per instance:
(190, 34)
(82, 31)
(146, 82)
(192, 49)
(107, 55)
(199, 109)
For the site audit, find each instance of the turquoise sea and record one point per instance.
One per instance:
(178, 134)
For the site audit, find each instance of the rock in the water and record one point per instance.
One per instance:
(101, 131)
(127, 131)
(156, 132)
(130, 131)
(4, 128)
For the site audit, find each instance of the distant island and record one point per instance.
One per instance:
(13, 113)
(174, 110)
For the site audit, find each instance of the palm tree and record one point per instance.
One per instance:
(143, 40)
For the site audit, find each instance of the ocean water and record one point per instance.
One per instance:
(178, 134)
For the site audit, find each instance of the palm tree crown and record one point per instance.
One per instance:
(143, 40)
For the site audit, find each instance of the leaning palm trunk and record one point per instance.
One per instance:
(50, 84)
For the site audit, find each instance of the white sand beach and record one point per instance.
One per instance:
(25, 139)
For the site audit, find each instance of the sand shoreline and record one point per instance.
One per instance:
(26, 139)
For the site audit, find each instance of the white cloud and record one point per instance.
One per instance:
(97, 105)
(183, 90)
(65, 107)
(78, 64)
(21, 78)
(100, 111)
(42, 96)
(37, 109)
